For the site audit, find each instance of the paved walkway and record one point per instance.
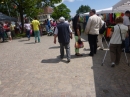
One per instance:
(35, 70)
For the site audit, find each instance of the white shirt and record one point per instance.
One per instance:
(67, 22)
(126, 20)
(93, 25)
(116, 37)
(27, 26)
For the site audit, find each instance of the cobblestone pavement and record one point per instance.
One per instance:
(35, 70)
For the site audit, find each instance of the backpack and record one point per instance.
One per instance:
(103, 29)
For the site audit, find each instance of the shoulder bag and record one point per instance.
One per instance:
(123, 41)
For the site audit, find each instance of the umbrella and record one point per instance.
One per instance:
(4, 17)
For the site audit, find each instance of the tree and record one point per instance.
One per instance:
(29, 7)
(61, 10)
(83, 9)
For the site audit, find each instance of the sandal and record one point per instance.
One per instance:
(77, 54)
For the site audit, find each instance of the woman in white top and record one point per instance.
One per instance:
(27, 27)
(116, 41)
(101, 32)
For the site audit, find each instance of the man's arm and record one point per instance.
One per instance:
(70, 30)
(87, 29)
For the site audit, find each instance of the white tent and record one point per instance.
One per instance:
(101, 11)
(107, 10)
(122, 6)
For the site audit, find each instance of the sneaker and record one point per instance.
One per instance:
(35, 41)
(91, 55)
(113, 65)
(68, 60)
(101, 49)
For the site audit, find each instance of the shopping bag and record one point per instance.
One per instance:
(79, 44)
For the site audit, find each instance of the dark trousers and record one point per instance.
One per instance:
(115, 53)
(2, 36)
(28, 33)
(67, 47)
(92, 43)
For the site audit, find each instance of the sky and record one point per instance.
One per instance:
(73, 5)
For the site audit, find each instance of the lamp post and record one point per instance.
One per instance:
(7, 7)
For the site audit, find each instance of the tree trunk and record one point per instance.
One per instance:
(22, 20)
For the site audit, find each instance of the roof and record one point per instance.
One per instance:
(48, 10)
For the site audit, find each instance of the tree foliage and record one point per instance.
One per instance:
(61, 10)
(83, 9)
(29, 7)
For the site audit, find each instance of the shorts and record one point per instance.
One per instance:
(9, 34)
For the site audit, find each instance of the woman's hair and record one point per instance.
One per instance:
(119, 20)
(75, 21)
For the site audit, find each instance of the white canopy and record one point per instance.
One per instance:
(101, 11)
(106, 10)
(122, 6)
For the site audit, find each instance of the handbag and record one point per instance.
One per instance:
(123, 41)
(79, 44)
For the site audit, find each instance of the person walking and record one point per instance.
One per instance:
(47, 28)
(49, 24)
(8, 30)
(126, 22)
(27, 27)
(119, 33)
(36, 29)
(77, 30)
(2, 32)
(101, 32)
(92, 29)
(64, 34)
(12, 30)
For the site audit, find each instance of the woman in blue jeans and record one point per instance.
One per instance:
(27, 27)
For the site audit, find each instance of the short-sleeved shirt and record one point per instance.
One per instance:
(126, 20)
(116, 37)
(35, 24)
(27, 26)
(75, 29)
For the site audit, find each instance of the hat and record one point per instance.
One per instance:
(61, 19)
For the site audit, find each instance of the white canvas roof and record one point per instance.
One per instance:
(122, 6)
(101, 11)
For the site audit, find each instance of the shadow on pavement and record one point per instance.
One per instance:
(55, 47)
(86, 49)
(54, 60)
(74, 56)
(4, 42)
(22, 40)
(30, 43)
(110, 82)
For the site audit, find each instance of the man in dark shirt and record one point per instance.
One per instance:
(64, 34)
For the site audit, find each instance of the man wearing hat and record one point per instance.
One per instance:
(64, 33)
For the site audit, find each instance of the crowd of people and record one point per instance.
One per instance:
(95, 29)
(9, 30)
(63, 29)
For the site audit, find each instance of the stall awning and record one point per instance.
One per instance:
(122, 6)
(4, 17)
